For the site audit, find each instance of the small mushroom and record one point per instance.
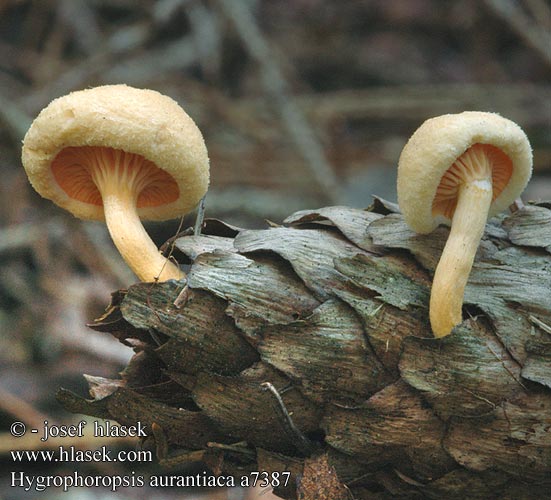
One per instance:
(119, 154)
(459, 170)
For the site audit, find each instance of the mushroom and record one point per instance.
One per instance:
(459, 170)
(119, 154)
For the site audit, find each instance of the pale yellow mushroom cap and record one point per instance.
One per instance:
(439, 142)
(117, 117)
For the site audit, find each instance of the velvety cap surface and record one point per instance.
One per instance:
(138, 121)
(435, 146)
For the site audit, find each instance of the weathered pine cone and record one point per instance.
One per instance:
(331, 309)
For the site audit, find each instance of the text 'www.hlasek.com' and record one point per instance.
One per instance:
(68, 444)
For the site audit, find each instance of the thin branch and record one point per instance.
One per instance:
(541, 11)
(545, 327)
(533, 35)
(277, 88)
(302, 443)
(200, 217)
(14, 119)
(16, 407)
(79, 17)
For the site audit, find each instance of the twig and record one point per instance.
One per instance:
(79, 337)
(480, 398)
(240, 448)
(525, 103)
(19, 236)
(276, 87)
(301, 442)
(266, 204)
(208, 40)
(182, 298)
(141, 68)
(541, 11)
(535, 36)
(200, 217)
(538, 322)
(506, 368)
(16, 407)
(120, 43)
(80, 18)
(15, 120)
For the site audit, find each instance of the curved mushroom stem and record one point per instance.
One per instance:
(133, 242)
(454, 267)
(120, 177)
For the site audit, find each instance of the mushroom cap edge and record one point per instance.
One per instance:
(437, 143)
(139, 121)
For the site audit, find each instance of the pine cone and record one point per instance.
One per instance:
(306, 349)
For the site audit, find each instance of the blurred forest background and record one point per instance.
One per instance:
(303, 103)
